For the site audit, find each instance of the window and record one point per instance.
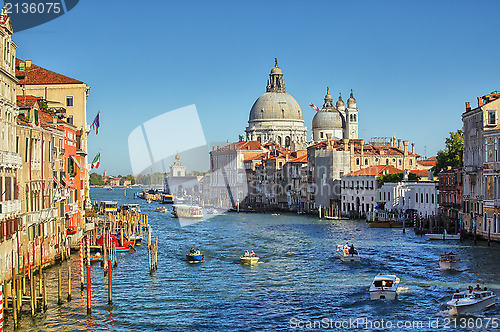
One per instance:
(321, 135)
(492, 118)
(389, 196)
(366, 161)
(69, 101)
(400, 162)
(387, 161)
(357, 161)
(411, 162)
(416, 198)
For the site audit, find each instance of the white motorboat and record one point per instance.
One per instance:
(449, 261)
(443, 236)
(471, 301)
(384, 286)
(249, 259)
(348, 254)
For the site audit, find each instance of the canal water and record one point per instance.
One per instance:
(297, 284)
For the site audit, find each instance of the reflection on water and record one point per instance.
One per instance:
(298, 276)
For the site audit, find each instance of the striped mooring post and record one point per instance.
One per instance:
(1, 308)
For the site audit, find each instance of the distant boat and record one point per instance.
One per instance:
(108, 187)
(443, 236)
(449, 261)
(187, 211)
(193, 258)
(346, 254)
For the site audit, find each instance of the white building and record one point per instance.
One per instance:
(359, 188)
(403, 196)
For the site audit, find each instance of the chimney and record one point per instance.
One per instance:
(467, 106)
(479, 101)
(351, 146)
(399, 143)
(28, 63)
(405, 144)
(393, 141)
(413, 147)
(346, 142)
(362, 146)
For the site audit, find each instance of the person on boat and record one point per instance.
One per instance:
(470, 289)
(485, 289)
(246, 254)
(351, 249)
(252, 254)
(198, 252)
(478, 288)
(191, 251)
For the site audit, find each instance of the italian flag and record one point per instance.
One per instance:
(96, 161)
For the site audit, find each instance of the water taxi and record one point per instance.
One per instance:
(471, 301)
(108, 207)
(384, 286)
(167, 199)
(162, 209)
(130, 208)
(187, 211)
(247, 258)
(443, 236)
(194, 258)
(348, 253)
(449, 261)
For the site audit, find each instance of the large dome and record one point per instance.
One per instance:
(275, 106)
(327, 120)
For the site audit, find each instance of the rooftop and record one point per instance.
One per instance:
(34, 74)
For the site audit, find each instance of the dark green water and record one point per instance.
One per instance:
(298, 280)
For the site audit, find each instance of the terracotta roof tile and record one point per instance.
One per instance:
(376, 171)
(39, 75)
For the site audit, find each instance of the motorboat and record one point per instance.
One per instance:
(384, 286)
(471, 301)
(162, 209)
(449, 261)
(194, 258)
(187, 211)
(348, 253)
(443, 236)
(249, 259)
(133, 208)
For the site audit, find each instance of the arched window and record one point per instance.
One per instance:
(354, 117)
(258, 139)
(387, 161)
(366, 161)
(411, 162)
(357, 161)
(279, 140)
(287, 141)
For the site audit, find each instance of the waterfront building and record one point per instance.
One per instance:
(294, 182)
(427, 164)
(479, 163)
(421, 197)
(329, 160)
(10, 157)
(180, 184)
(68, 93)
(276, 116)
(450, 194)
(359, 189)
(228, 173)
(490, 227)
(336, 122)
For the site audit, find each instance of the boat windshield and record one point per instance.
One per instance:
(383, 283)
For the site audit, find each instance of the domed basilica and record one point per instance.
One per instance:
(276, 116)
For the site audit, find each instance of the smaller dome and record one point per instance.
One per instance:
(351, 101)
(276, 70)
(340, 102)
(327, 120)
(328, 96)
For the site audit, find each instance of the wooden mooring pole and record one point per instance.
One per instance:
(89, 295)
(110, 282)
(59, 287)
(81, 265)
(69, 283)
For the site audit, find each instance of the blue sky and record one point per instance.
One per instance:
(412, 65)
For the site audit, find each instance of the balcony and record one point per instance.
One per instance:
(12, 206)
(10, 159)
(36, 217)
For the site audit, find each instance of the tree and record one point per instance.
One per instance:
(451, 155)
(96, 179)
(396, 177)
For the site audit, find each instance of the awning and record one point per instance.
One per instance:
(77, 163)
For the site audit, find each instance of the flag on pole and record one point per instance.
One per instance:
(96, 123)
(315, 107)
(96, 161)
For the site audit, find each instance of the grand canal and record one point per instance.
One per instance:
(299, 280)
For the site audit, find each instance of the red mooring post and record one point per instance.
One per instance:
(1, 308)
(81, 265)
(110, 281)
(89, 298)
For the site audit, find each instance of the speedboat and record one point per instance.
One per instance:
(194, 258)
(162, 209)
(249, 259)
(348, 254)
(449, 261)
(443, 236)
(471, 301)
(384, 286)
